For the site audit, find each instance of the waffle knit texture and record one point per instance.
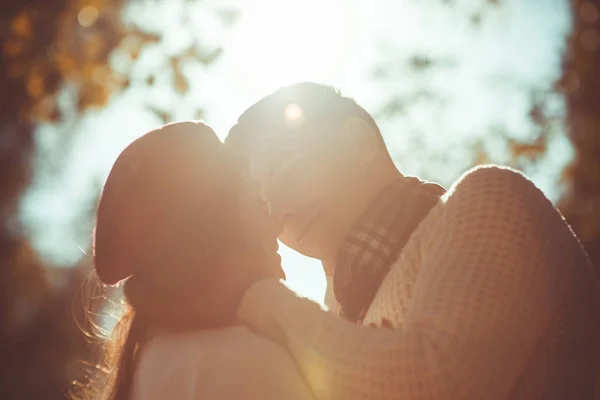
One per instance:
(493, 297)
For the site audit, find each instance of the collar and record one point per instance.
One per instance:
(376, 240)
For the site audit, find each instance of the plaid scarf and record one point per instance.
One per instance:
(375, 242)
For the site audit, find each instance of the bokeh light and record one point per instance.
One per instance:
(278, 42)
(87, 16)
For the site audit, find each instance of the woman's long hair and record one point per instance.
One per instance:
(166, 221)
(109, 375)
(106, 375)
(121, 356)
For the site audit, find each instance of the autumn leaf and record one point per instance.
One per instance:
(164, 116)
(531, 150)
(481, 156)
(21, 25)
(179, 80)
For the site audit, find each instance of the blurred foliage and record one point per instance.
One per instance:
(63, 57)
(58, 61)
(48, 43)
(48, 46)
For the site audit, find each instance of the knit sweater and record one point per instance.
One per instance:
(491, 298)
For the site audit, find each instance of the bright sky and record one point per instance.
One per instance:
(481, 86)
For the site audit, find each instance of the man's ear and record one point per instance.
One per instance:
(362, 138)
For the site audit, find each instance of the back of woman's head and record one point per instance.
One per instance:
(166, 219)
(169, 224)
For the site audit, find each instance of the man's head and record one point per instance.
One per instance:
(319, 159)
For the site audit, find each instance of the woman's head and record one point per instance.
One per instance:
(178, 219)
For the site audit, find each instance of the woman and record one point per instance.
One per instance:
(189, 235)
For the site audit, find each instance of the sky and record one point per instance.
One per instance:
(481, 84)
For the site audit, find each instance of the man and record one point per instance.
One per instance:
(484, 291)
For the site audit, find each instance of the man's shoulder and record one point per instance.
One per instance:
(498, 179)
(490, 187)
(493, 200)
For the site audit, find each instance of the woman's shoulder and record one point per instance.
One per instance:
(207, 362)
(205, 341)
(194, 347)
(177, 365)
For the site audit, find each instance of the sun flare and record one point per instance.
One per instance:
(276, 42)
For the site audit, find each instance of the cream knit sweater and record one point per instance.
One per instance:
(492, 298)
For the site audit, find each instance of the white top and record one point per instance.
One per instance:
(233, 363)
(492, 298)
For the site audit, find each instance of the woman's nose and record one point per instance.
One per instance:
(276, 226)
(277, 209)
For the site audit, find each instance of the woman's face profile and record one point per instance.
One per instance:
(261, 228)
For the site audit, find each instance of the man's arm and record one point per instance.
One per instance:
(258, 369)
(482, 301)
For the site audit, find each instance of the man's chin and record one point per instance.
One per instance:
(303, 242)
(308, 246)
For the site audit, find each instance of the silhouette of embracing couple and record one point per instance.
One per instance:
(481, 291)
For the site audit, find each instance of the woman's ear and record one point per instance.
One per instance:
(362, 139)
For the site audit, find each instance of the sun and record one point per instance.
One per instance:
(277, 42)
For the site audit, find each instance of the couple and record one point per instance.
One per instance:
(480, 292)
